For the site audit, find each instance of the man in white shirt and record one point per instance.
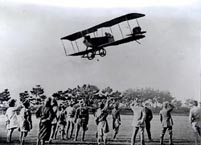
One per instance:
(70, 114)
(138, 120)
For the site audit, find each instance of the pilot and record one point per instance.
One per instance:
(87, 41)
(87, 37)
(108, 34)
(136, 30)
(109, 37)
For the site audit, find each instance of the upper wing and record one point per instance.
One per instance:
(109, 23)
(80, 34)
(121, 19)
(125, 40)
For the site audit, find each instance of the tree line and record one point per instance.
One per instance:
(92, 95)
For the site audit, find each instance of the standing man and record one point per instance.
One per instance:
(116, 119)
(81, 119)
(70, 113)
(148, 119)
(138, 120)
(101, 122)
(195, 120)
(46, 115)
(166, 121)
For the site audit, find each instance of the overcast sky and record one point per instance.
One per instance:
(167, 59)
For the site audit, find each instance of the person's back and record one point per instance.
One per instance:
(116, 120)
(149, 114)
(46, 113)
(166, 121)
(70, 112)
(195, 120)
(61, 117)
(101, 115)
(165, 113)
(138, 115)
(196, 114)
(115, 113)
(149, 117)
(25, 115)
(82, 112)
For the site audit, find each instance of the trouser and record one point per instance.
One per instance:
(164, 129)
(135, 131)
(148, 128)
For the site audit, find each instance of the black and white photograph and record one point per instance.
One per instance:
(100, 72)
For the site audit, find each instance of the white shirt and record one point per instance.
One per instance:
(12, 117)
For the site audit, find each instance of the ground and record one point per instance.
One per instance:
(182, 132)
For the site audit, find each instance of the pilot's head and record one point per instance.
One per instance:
(87, 37)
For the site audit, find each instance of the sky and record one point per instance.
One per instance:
(168, 58)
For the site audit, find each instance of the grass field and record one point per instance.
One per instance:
(182, 132)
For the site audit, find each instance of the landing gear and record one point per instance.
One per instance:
(91, 55)
(102, 52)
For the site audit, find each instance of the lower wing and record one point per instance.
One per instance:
(124, 40)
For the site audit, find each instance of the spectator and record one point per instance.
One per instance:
(138, 120)
(70, 112)
(11, 118)
(101, 121)
(81, 119)
(54, 121)
(25, 121)
(148, 119)
(46, 115)
(61, 121)
(166, 121)
(116, 120)
(195, 120)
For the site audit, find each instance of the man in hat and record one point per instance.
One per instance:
(166, 121)
(81, 119)
(138, 120)
(70, 113)
(195, 120)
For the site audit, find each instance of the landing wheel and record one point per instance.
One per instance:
(102, 52)
(91, 55)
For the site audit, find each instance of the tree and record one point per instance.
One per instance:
(38, 97)
(128, 96)
(163, 96)
(177, 103)
(4, 96)
(189, 102)
(155, 96)
(86, 92)
(60, 95)
(24, 95)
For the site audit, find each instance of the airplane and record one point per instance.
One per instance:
(96, 45)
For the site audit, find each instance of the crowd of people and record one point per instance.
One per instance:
(62, 118)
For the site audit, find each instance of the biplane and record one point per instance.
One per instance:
(95, 45)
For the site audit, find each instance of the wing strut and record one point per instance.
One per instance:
(129, 26)
(138, 42)
(77, 46)
(111, 30)
(64, 47)
(137, 23)
(73, 46)
(121, 31)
